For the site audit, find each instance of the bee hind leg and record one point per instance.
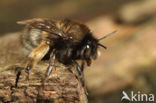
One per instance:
(36, 55)
(29, 65)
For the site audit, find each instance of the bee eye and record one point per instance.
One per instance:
(87, 46)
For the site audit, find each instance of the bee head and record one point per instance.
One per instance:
(89, 48)
(91, 45)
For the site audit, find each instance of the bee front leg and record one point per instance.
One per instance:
(88, 61)
(36, 55)
(80, 73)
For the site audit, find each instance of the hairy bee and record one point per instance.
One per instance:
(65, 41)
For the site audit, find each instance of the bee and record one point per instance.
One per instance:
(65, 41)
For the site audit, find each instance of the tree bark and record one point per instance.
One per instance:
(61, 86)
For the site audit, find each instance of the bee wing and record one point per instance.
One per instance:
(46, 25)
(30, 21)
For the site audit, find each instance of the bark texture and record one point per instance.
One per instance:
(61, 86)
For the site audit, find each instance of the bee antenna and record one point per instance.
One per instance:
(102, 46)
(108, 35)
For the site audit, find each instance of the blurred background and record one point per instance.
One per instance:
(129, 62)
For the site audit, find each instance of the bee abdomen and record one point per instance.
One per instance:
(31, 38)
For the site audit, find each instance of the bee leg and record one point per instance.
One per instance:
(51, 64)
(49, 69)
(80, 73)
(88, 61)
(29, 65)
(78, 69)
(82, 68)
(36, 55)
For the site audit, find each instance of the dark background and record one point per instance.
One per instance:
(85, 10)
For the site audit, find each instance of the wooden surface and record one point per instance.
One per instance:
(60, 87)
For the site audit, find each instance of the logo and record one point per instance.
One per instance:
(140, 97)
